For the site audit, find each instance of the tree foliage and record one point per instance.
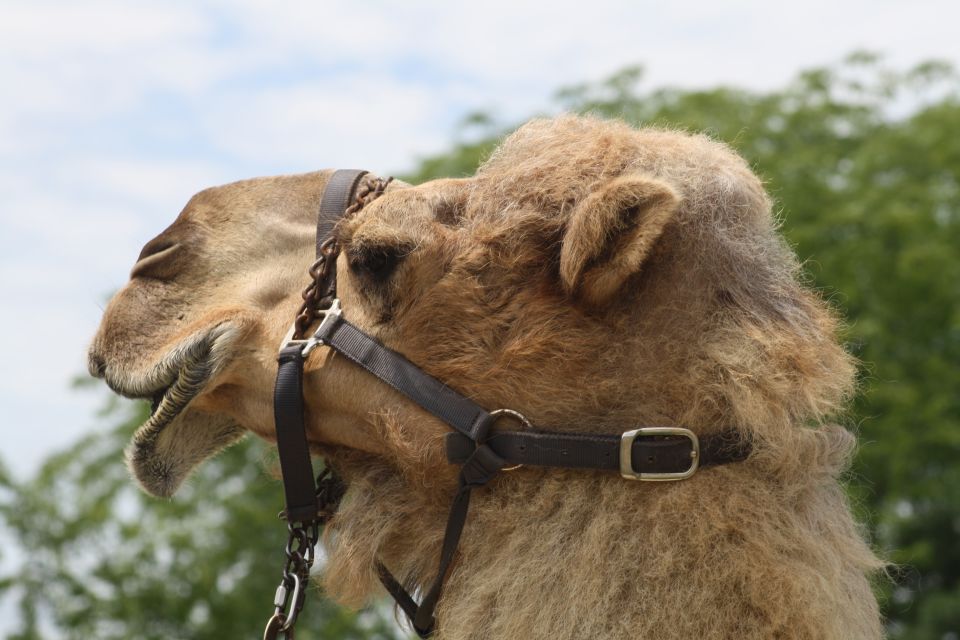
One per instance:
(863, 164)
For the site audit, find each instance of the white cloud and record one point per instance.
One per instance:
(375, 122)
(81, 61)
(51, 30)
(161, 186)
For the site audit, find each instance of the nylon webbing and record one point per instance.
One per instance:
(482, 465)
(295, 466)
(599, 451)
(337, 197)
(458, 411)
(396, 591)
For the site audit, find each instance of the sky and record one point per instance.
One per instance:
(112, 114)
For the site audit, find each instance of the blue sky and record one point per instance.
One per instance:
(113, 113)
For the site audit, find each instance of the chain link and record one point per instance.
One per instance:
(322, 282)
(300, 551)
(323, 273)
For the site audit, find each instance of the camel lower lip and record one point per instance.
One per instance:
(165, 447)
(162, 413)
(171, 401)
(189, 368)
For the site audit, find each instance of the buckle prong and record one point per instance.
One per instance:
(626, 454)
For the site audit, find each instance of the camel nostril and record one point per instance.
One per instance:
(159, 258)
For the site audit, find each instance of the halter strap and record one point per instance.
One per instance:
(337, 198)
(458, 411)
(296, 468)
(300, 490)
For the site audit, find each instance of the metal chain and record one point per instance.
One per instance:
(300, 553)
(290, 595)
(323, 273)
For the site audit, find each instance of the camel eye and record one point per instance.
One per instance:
(376, 263)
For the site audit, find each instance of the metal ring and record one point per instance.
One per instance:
(516, 415)
(290, 616)
(275, 628)
(513, 414)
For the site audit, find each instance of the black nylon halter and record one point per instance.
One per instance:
(650, 453)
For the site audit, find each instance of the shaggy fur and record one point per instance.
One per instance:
(703, 323)
(595, 278)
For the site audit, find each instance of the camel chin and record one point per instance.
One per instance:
(161, 459)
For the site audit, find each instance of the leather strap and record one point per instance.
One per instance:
(477, 470)
(295, 466)
(337, 198)
(458, 411)
(654, 454)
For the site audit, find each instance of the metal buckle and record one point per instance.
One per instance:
(626, 454)
(327, 316)
(516, 415)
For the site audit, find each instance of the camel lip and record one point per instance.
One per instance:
(150, 387)
(193, 364)
(175, 380)
(160, 461)
(165, 407)
(172, 408)
(155, 398)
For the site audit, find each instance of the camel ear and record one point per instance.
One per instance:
(610, 233)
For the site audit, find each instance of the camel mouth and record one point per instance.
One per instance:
(193, 372)
(179, 376)
(170, 386)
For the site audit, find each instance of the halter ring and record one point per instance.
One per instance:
(516, 415)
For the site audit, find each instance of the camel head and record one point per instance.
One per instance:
(590, 274)
(592, 277)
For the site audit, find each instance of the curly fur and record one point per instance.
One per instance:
(713, 331)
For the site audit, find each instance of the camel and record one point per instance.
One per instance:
(595, 278)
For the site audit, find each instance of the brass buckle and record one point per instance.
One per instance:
(626, 454)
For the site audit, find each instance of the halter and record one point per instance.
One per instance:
(646, 453)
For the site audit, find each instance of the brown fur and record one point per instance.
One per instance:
(595, 278)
